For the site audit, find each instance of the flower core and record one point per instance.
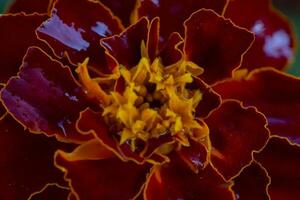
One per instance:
(148, 100)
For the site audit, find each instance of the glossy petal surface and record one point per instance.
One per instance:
(274, 42)
(26, 161)
(51, 192)
(252, 183)
(174, 12)
(282, 161)
(30, 6)
(275, 94)
(215, 44)
(126, 47)
(44, 97)
(175, 181)
(235, 132)
(103, 179)
(13, 47)
(75, 29)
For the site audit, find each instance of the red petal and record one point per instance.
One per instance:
(274, 43)
(275, 94)
(26, 161)
(16, 35)
(30, 6)
(235, 132)
(215, 44)
(126, 47)
(75, 29)
(282, 161)
(122, 9)
(174, 12)
(103, 179)
(51, 192)
(176, 181)
(153, 38)
(252, 183)
(45, 97)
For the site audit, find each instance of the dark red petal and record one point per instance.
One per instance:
(215, 44)
(75, 29)
(275, 94)
(282, 161)
(16, 35)
(103, 179)
(274, 43)
(252, 183)
(30, 6)
(175, 181)
(26, 161)
(153, 38)
(51, 192)
(45, 97)
(126, 47)
(174, 12)
(122, 9)
(235, 132)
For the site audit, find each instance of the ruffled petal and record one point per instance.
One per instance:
(30, 6)
(109, 178)
(274, 43)
(215, 44)
(45, 97)
(51, 192)
(16, 35)
(122, 9)
(126, 47)
(26, 161)
(275, 94)
(235, 132)
(175, 180)
(282, 161)
(174, 12)
(75, 29)
(252, 183)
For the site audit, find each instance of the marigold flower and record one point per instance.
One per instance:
(164, 99)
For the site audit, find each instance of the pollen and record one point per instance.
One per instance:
(155, 100)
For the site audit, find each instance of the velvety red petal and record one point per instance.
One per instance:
(26, 161)
(153, 38)
(51, 192)
(30, 6)
(174, 12)
(274, 43)
(275, 94)
(235, 132)
(175, 181)
(282, 162)
(103, 179)
(126, 47)
(215, 44)
(252, 183)
(122, 9)
(75, 29)
(44, 97)
(16, 35)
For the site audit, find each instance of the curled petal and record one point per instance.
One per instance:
(215, 44)
(109, 178)
(51, 192)
(174, 181)
(26, 161)
(75, 29)
(275, 94)
(126, 47)
(235, 132)
(30, 6)
(16, 35)
(252, 183)
(45, 97)
(153, 38)
(281, 159)
(274, 44)
(173, 12)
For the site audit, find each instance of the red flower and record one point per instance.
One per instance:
(183, 103)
